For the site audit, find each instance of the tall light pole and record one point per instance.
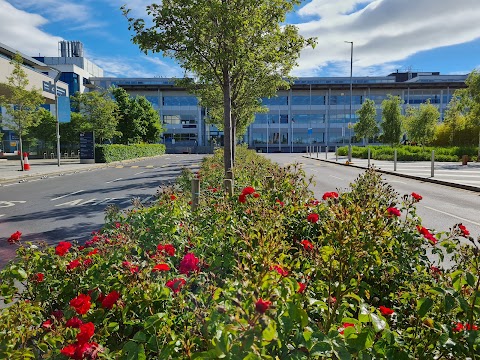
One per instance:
(59, 73)
(351, 89)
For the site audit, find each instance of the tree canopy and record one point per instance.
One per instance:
(138, 121)
(420, 122)
(367, 127)
(227, 45)
(391, 119)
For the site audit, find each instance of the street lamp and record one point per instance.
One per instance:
(344, 119)
(351, 86)
(59, 73)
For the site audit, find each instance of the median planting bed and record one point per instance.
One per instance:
(268, 273)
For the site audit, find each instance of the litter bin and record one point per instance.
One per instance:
(464, 159)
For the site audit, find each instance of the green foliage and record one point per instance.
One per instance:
(367, 124)
(21, 105)
(99, 111)
(269, 273)
(117, 152)
(420, 123)
(410, 153)
(391, 120)
(238, 51)
(138, 121)
(45, 129)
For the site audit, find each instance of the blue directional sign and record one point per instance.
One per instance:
(64, 110)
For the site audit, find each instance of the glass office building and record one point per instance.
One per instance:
(314, 111)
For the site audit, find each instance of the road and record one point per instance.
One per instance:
(71, 206)
(441, 206)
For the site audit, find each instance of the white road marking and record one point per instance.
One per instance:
(454, 216)
(141, 172)
(4, 204)
(396, 181)
(2, 215)
(336, 177)
(61, 197)
(108, 182)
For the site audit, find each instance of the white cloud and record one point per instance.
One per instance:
(140, 66)
(21, 30)
(383, 31)
(57, 10)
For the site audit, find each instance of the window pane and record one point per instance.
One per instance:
(180, 101)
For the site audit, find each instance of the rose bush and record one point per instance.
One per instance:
(268, 273)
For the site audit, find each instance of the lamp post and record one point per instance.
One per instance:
(344, 119)
(57, 77)
(351, 89)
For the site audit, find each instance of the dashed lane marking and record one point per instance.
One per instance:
(111, 181)
(134, 166)
(61, 197)
(141, 172)
(336, 177)
(119, 167)
(149, 166)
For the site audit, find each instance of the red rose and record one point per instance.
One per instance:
(74, 322)
(256, 195)
(464, 230)
(110, 299)
(301, 288)
(62, 248)
(385, 311)
(93, 252)
(168, 249)
(242, 198)
(86, 332)
(74, 264)
(248, 190)
(281, 203)
(87, 262)
(307, 245)
(161, 267)
(176, 284)
(458, 327)
(471, 327)
(173, 197)
(279, 270)
(189, 263)
(38, 277)
(14, 237)
(313, 217)
(57, 314)
(330, 195)
(416, 196)
(81, 304)
(427, 235)
(262, 305)
(393, 211)
(69, 351)
(47, 324)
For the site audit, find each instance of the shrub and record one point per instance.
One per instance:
(269, 273)
(109, 153)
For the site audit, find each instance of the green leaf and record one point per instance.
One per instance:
(423, 306)
(449, 303)
(154, 322)
(140, 337)
(270, 332)
(113, 326)
(22, 274)
(364, 313)
(320, 348)
(470, 279)
(133, 351)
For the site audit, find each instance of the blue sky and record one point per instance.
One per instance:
(421, 35)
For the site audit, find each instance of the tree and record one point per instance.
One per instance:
(420, 122)
(70, 131)
(21, 105)
(391, 119)
(100, 111)
(367, 127)
(45, 129)
(225, 43)
(469, 103)
(454, 119)
(138, 121)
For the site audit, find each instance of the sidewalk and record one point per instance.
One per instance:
(10, 169)
(452, 174)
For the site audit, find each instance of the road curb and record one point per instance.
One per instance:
(430, 180)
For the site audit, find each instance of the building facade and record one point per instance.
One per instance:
(39, 75)
(316, 110)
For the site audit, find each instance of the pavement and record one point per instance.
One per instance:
(452, 174)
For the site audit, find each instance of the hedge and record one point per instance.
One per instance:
(411, 153)
(110, 153)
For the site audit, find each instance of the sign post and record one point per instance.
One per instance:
(87, 148)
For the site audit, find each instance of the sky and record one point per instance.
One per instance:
(387, 35)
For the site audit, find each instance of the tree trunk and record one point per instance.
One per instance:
(21, 150)
(227, 123)
(478, 153)
(234, 138)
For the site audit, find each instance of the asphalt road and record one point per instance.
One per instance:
(71, 206)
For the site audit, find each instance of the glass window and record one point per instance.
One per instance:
(277, 100)
(180, 101)
(308, 100)
(183, 119)
(154, 101)
(309, 119)
(271, 118)
(345, 100)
